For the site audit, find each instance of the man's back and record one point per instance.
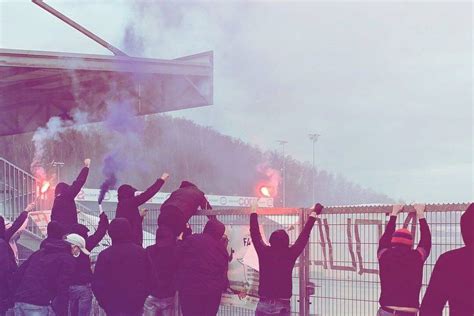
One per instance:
(121, 279)
(452, 281)
(203, 263)
(46, 275)
(401, 274)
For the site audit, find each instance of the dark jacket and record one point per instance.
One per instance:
(83, 272)
(203, 262)
(46, 276)
(7, 269)
(128, 204)
(122, 275)
(401, 268)
(276, 261)
(187, 199)
(7, 234)
(452, 280)
(64, 208)
(164, 263)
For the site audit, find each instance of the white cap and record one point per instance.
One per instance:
(77, 240)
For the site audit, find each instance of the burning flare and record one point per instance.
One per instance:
(45, 187)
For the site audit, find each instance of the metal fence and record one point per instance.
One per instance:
(342, 252)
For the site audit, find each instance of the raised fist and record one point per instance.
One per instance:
(87, 162)
(164, 176)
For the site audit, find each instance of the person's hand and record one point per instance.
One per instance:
(317, 210)
(103, 217)
(420, 210)
(164, 176)
(143, 212)
(396, 209)
(87, 162)
(31, 207)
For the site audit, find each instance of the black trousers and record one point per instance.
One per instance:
(200, 304)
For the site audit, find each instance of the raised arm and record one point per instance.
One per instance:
(424, 246)
(303, 238)
(77, 185)
(19, 222)
(142, 198)
(94, 239)
(385, 240)
(255, 229)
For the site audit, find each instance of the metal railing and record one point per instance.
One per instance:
(17, 189)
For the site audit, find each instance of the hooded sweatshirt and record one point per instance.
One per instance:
(164, 261)
(401, 267)
(64, 208)
(203, 262)
(276, 261)
(128, 204)
(186, 200)
(83, 272)
(122, 275)
(46, 276)
(452, 280)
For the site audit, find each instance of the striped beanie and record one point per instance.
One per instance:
(402, 236)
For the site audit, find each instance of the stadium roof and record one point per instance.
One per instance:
(35, 86)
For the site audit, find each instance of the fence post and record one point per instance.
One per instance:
(303, 270)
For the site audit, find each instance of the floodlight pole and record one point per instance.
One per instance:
(283, 169)
(314, 138)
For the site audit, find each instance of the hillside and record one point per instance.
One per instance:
(219, 164)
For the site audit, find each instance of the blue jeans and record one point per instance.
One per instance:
(273, 307)
(159, 306)
(25, 309)
(80, 300)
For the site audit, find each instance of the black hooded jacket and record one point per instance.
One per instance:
(128, 204)
(46, 276)
(64, 208)
(276, 261)
(83, 272)
(452, 279)
(7, 269)
(401, 268)
(186, 199)
(164, 262)
(203, 262)
(122, 275)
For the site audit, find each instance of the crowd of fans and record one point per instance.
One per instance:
(127, 279)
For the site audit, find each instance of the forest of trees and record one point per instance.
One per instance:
(219, 164)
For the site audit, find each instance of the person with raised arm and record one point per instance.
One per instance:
(128, 204)
(182, 204)
(64, 209)
(276, 262)
(401, 266)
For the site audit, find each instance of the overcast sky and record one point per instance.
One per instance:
(388, 85)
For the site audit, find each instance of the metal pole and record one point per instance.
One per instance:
(282, 143)
(313, 137)
(79, 27)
